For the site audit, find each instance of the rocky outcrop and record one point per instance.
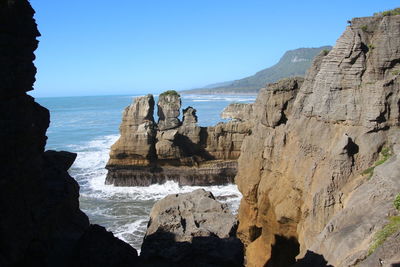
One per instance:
(192, 229)
(138, 132)
(148, 153)
(238, 111)
(301, 171)
(169, 105)
(41, 223)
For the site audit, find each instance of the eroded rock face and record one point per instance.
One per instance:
(169, 106)
(303, 192)
(238, 111)
(192, 228)
(41, 223)
(182, 152)
(275, 102)
(138, 132)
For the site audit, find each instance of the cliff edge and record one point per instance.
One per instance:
(320, 170)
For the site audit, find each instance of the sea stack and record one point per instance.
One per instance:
(181, 151)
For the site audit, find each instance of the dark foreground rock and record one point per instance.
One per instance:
(97, 247)
(41, 223)
(149, 152)
(192, 229)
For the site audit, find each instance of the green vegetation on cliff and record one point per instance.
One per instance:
(383, 157)
(293, 63)
(380, 237)
(170, 92)
(391, 12)
(389, 229)
(396, 202)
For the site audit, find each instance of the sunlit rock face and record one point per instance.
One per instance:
(149, 152)
(300, 169)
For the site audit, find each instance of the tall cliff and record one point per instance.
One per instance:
(308, 189)
(148, 152)
(41, 223)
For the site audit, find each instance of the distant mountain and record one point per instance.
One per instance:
(293, 63)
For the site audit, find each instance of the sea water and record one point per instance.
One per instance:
(89, 126)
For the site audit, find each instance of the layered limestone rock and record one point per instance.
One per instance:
(238, 111)
(192, 228)
(138, 132)
(169, 105)
(41, 223)
(301, 169)
(180, 151)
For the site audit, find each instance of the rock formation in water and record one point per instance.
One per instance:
(321, 167)
(41, 223)
(192, 229)
(238, 111)
(149, 152)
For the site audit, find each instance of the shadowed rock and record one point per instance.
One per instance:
(41, 223)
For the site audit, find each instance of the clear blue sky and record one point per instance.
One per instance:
(128, 47)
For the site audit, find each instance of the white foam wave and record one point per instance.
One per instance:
(159, 191)
(125, 210)
(94, 154)
(227, 98)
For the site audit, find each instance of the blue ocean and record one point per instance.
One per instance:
(89, 126)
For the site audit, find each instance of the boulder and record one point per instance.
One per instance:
(192, 229)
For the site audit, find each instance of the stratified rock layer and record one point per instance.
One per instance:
(149, 153)
(169, 106)
(138, 132)
(192, 229)
(41, 223)
(300, 170)
(238, 111)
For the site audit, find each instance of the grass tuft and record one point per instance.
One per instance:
(396, 202)
(389, 229)
(395, 72)
(384, 155)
